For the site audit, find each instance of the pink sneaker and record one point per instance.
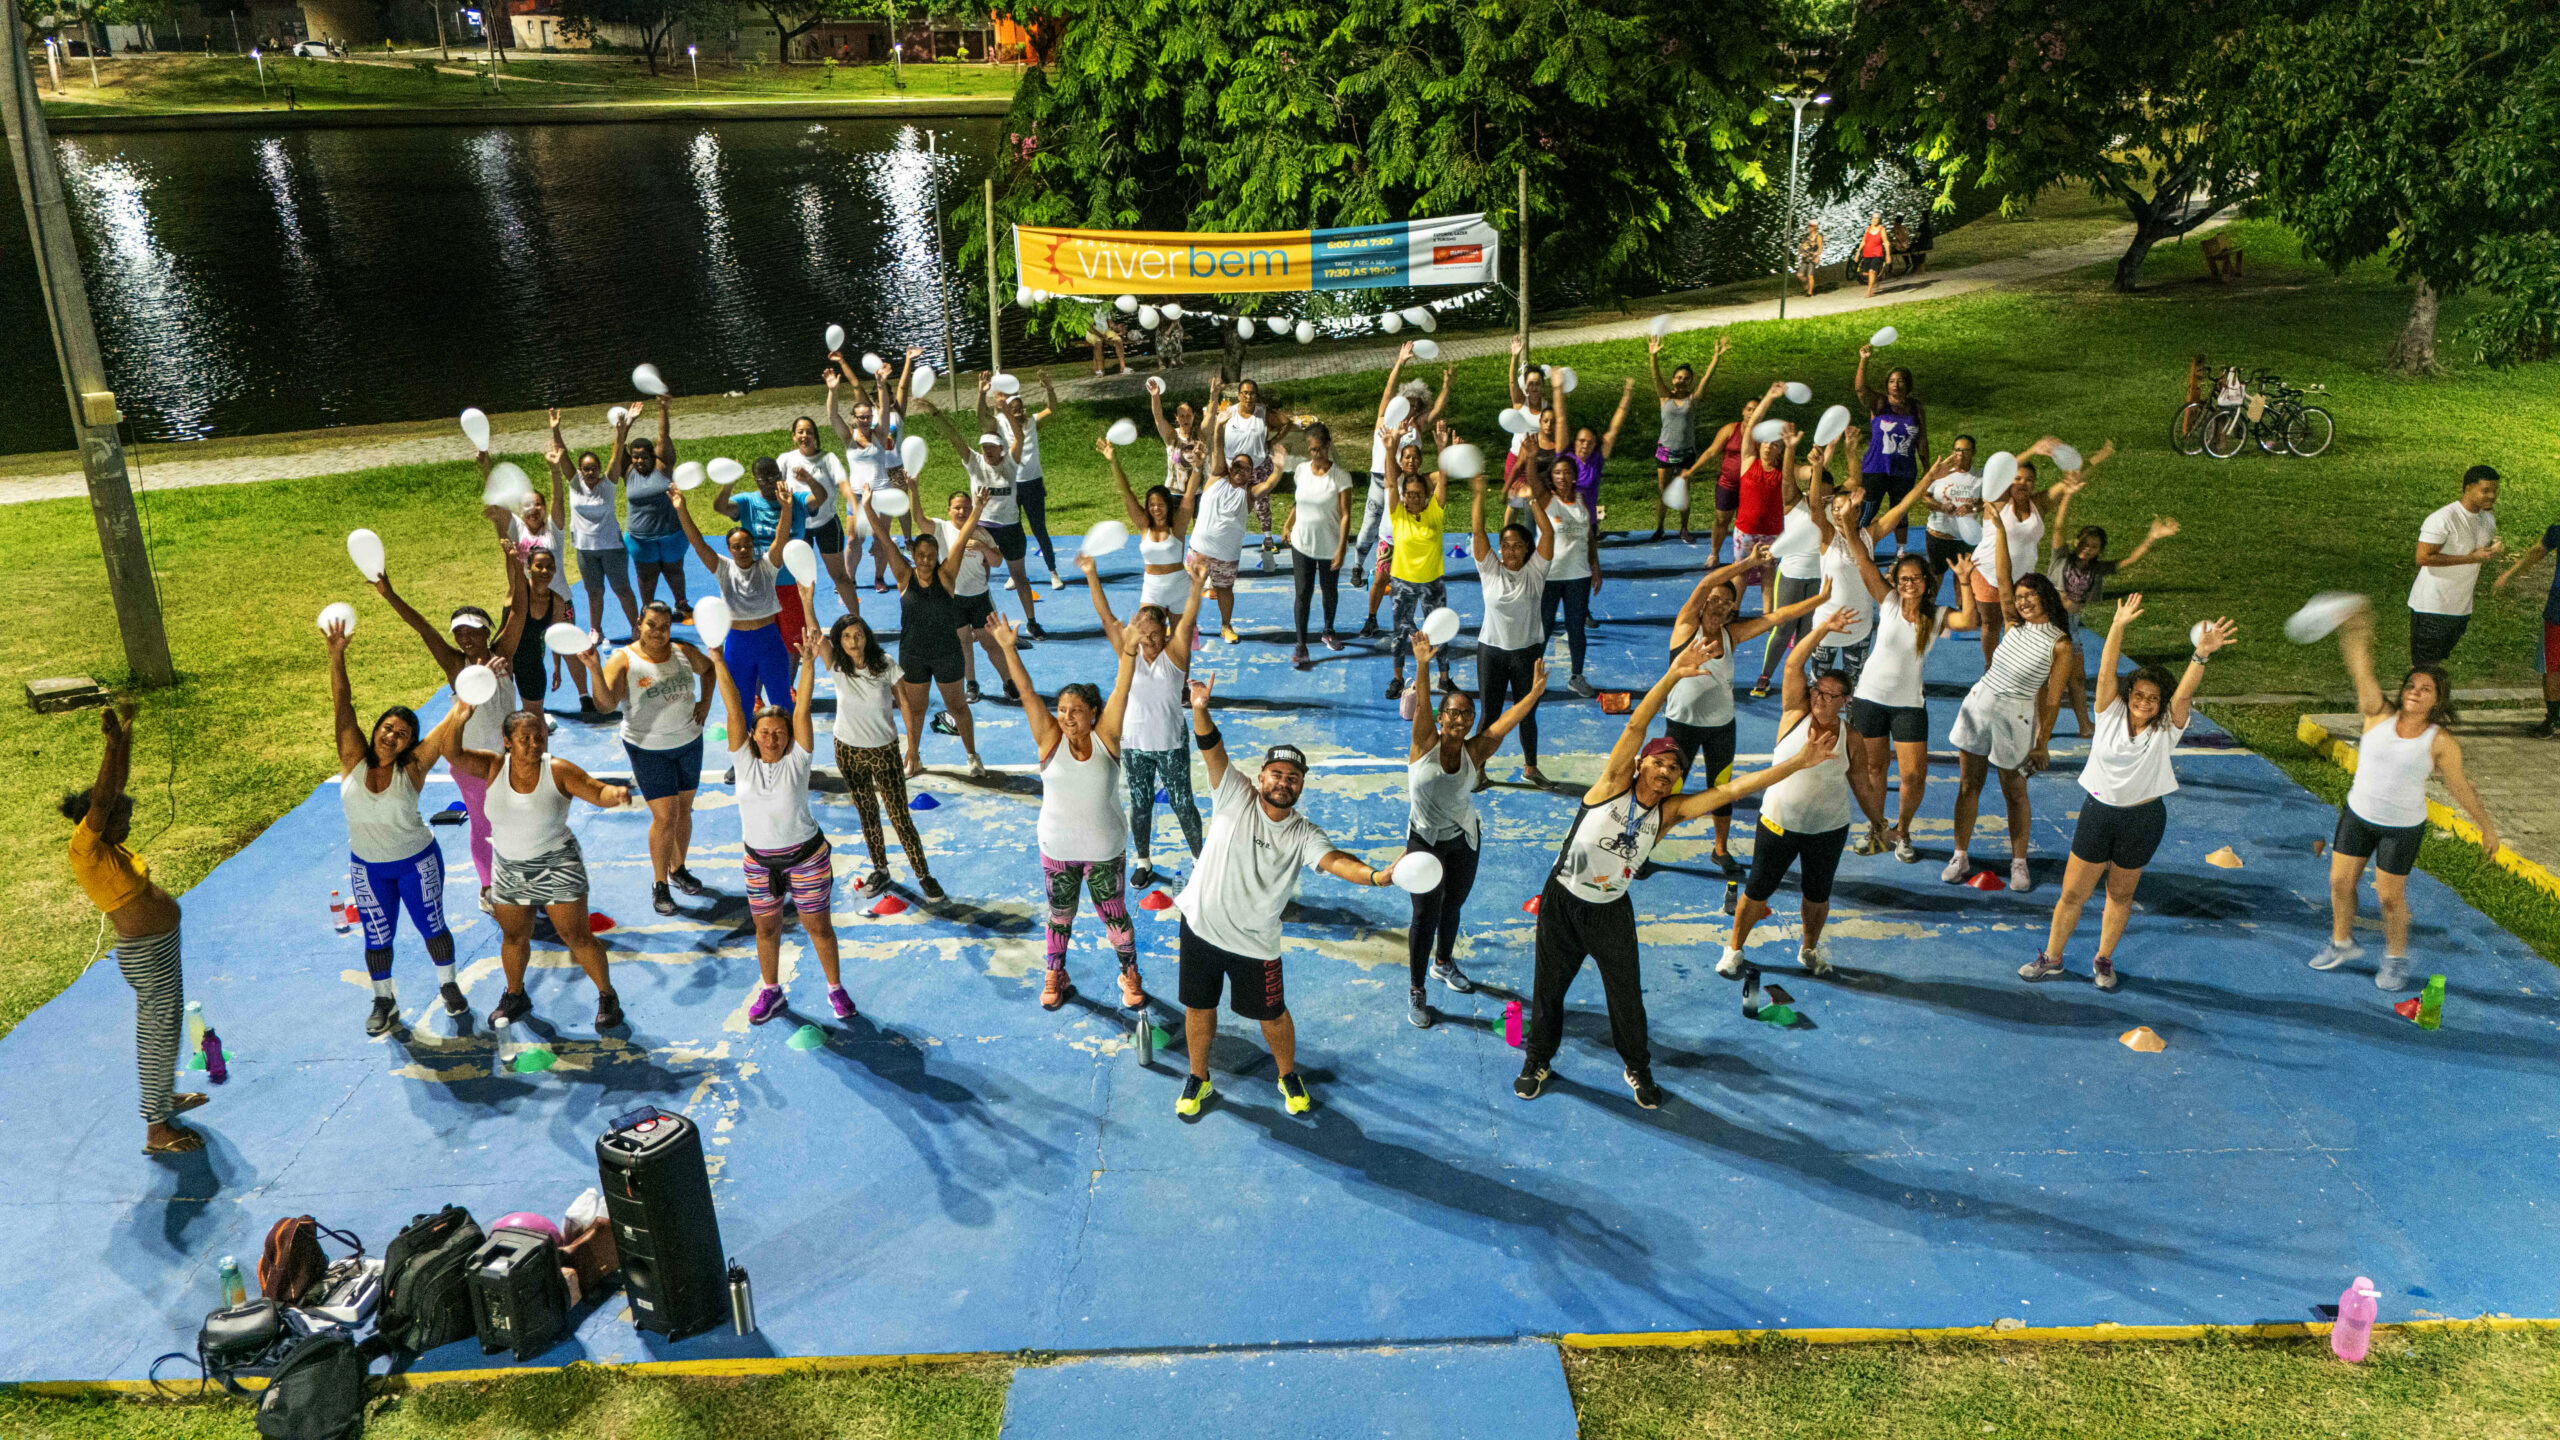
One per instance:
(840, 1001)
(768, 1000)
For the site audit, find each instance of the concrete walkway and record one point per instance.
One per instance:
(1267, 363)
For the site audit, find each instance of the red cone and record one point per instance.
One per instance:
(1155, 900)
(889, 905)
(1986, 880)
(1532, 907)
(598, 922)
(2407, 1009)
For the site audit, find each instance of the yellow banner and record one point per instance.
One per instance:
(1147, 262)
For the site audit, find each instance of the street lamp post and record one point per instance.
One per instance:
(53, 61)
(690, 52)
(1795, 154)
(261, 61)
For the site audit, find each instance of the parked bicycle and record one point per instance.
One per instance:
(2263, 409)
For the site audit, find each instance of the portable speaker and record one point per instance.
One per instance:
(657, 1194)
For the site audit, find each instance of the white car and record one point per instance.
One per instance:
(313, 50)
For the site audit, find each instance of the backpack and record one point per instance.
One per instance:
(317, 1392)
(424, 1300)
(292, 1266)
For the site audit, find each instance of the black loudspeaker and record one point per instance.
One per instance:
(657, 1193)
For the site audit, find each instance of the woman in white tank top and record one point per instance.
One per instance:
(393, 862)
(1888, 708)
(539, 865)
(1441, 770)
(789, 863)
(1849, 572)
(1155, 733)
(1804, 817)
(660, 685)
(2385, 817)
(1158, 522)
(2023, 512)
(1083, 836)
(1699, 715)
(473, 642)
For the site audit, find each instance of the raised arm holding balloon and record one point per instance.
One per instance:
(1153, 754)
(1698, 716)
(789, 864)
(661, 687)
(1444, 767)
(393, 862)
(933, 635)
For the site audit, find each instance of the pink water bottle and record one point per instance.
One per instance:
(2354, 1330)
(1511, 1024)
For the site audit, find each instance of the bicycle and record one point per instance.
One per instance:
(2275, 417)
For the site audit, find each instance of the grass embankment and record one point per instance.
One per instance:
(414, 80)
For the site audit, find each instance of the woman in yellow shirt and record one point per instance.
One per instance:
(1416, 565)
(119, 883)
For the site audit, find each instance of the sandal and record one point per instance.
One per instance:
(185, 1142)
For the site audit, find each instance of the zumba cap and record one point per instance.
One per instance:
(468, 619)
(1290, 754)
(986, 440)
(1659, 745)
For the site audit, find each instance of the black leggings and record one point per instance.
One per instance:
(1503, 676)
(1033, 497)
(1575, 597)
(1772, 853)
(1434, 934)
(1571, 930)
(1310, 575)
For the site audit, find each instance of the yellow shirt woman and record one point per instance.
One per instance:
(1416, 559)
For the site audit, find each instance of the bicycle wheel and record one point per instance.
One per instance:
(2269, 431)
(2186, 433)
(2310, 432)
(2225, 433)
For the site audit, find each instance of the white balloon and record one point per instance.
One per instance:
(1833, 424)
(1007, 384)
(689, 475)
(1391, 322)
(1155, 384)
(871, 363)
(1397, 409)
(2195, 634)
(1305, 331)
(1418, 873)
(1149, 317)
(507, 486)
(365, 548)
(1244, 327)
(1420, 318)
(1998, 472)
(1426, 349)
(890, 504)
(614, 417)
(1661, 326)
(2325, 612)
(1565, 379)
(1441, 625)
(912, 452)
(1022, 296)
(1769, 432)
(711, 620)
(725, 471)
(1518, 421)
(1123, 431)
(2066, 458)
(1462, 462)
(566, 639)
(1128, 304)
(1800, 536)
(835, 338)
(1172, 311)
(1799, 393)
(1884, 337)
(921, 382)
(801, 559)
(338, 612)
(475, 685)
(475, 428)
(1675, 496)
(644, 378)
(1105, 537)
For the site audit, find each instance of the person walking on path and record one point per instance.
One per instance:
(146, 918)
(866, 736)
(1875, 252)
(2451, 546)
(2140, 723)
(1247, 877)
(393, 863)
(1442, 774)
(1675, 448)
(2546, 649)
(1155, 745)
(2384, 819)
(473, 644)
(1809, 255)
(790, 863)
(658, 683)
(1585, 911)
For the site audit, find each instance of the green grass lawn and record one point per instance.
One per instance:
(2063, 215)
(163, 84)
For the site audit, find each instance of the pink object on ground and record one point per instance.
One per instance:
(2354, 1330)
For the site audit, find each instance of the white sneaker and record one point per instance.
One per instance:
(1959, 865)
(1810, 957)
(1730, 965)
(2392, 974)
(2333, 955)
(2020, 880)
(1057, 581)
(1904, 850)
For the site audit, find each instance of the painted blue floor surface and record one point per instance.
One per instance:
(1432, 1392)
(958, 1170)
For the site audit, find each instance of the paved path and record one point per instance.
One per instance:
(159, 471)
(2509, 768)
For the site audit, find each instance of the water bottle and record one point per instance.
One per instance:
(214, 1069)
(338, 911)
(195, 1035)
(1732, 895)
(2354, 1330)
(742, 1300)
(1146, 1029)
(235, 1290)
(1511, 1024)
(2431, 1004)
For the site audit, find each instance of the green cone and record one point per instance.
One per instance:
(534, 1061)
(807, 1037)
(1781, 1016)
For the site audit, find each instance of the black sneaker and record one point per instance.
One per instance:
(587, 707)
(1395, 688)
(875, 885)
(1012, 696)
(685, 880)
(451, 995)
(1648, 1094)
(729, 776)
(512, 1006)
(385, 1014)
(943, 724)
(1647, 870)
(1448, 973)
(2545, 730)
(1532, 1082)
(1369, 629)
(1418, 1011)
(1733, 869)
(608, 1011)
(932, 889)
(684, 614)
(970, 693)
(660, 900)
(1144, 877)
(1032, 628)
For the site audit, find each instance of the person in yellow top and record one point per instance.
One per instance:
(119, 883)
(1415, 565)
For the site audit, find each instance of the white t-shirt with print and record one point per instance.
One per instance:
(1248, 870)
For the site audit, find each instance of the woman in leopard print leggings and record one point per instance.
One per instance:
(866, 734)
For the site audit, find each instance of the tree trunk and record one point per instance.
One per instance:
(1230, 355)
(2414, 353)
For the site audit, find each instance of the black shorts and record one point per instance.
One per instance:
(1714, 742)
(1870, 265)
(1253, 985)
(2125, 836)
(828, 538)
(1907, 724)
(1008, 539)
(2433, 636)
(924, 664)
(1772, 853)
(975, 610)
(2394, 848)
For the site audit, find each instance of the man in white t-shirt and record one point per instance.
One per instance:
(2451, 545)
(1245, 878)
(1955, 513)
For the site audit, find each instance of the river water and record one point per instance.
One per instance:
(246, 283)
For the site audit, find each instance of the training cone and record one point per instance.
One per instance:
(1616, 702)
(2406, 1009)
(2144, 1039)
(2223, 859)
(807, 1037)
(533, 1061)
(1781, 1016)
(924, 801)
(889, 905)
(1532, 907)
(1986, 880)
(1155, 900)
(598, 922)
(1161, 797)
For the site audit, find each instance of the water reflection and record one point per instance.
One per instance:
(158, 332)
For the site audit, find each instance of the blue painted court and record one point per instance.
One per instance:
(958, 1170)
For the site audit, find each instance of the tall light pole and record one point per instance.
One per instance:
(261, 61)
(690, 51)
(94, 416)
(1795, 155)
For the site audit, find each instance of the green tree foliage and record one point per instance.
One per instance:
(656, 20)
(2425, 132)
(2127, 96)
(1286, 114)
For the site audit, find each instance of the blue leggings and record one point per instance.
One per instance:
(383, 888)
(1575, 597)
(758, 658)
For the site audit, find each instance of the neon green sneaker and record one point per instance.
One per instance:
(1195, 1093)
(1294, 1092)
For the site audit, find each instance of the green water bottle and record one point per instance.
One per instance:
(2431, 1004)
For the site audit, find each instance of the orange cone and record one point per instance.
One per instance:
(889, 905)
(1986, 880)
(1155, 900)
(1532, 907)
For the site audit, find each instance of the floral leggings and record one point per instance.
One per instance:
(876, 778)
(1102, 878)
(1145, 770)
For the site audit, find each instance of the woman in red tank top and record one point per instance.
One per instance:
(1875, 252)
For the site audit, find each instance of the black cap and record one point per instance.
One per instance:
(2478, 473)
(1290, 753)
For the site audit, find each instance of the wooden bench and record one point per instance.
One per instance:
(2221, 259)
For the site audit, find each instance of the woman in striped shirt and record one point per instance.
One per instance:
(2008, 715)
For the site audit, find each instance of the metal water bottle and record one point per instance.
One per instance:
(235, 1288)
(1146, 1041)
(742, 1300)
